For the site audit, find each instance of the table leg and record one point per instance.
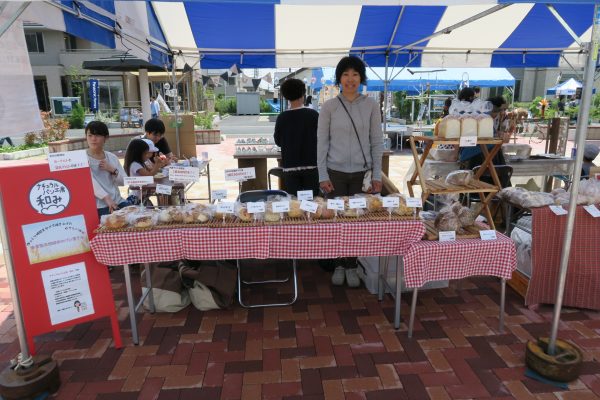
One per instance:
(413, 307)
(131, 305)
(208, 179)
(399, 267)
(149, 287)
(381, 277)
(502, 301)
(508, 218)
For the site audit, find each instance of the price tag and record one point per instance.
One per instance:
(357, 202)
(593, 210)
(447, 236)
(335, 204)
(138, 180)
(558, 210)
(184, 174)
(305, 195)
(67, 160)
(280, 206)
(310, 206)
(488, 234)
(391, 202)
(164, 189)
(218, 194)
(240, 174)
(414, 202)
(468, 141)
(225, 207)
(256, 207)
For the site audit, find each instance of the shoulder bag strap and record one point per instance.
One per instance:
(356, 132)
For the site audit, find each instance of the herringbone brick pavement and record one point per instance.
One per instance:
(334, 343)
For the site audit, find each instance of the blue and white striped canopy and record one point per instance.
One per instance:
(315, 33)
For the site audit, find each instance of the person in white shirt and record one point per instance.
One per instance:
(140, 161)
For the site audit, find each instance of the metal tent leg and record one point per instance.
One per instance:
(502, 302)
(131, 305)
(413, 306)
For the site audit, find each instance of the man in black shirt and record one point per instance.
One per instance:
(296, 134)
(155, 131)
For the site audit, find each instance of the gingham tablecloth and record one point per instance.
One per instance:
(582, 287)
(433, 261)
(326, 240)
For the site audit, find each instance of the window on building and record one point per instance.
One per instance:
(41, 90)
(70, 42)
(35, 42)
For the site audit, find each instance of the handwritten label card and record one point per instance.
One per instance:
(68, 160)
(184, 174)
(357, 202)
(390, 202)
(138, 180)
(164, 189)
(305, 195)
(468, 141)
(447, 236)
(256, 207)
(593, 210)
(225, 207)
(335, 204)
(218, 194)
(558, 210)
(240, 174)
(488, 234)
(414, 202)
(280, 206)
(310, 206)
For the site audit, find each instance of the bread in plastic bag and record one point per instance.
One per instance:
(461, 177)
(449, 127)
(468, 126)
(485, 126)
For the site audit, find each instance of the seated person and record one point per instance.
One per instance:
(107, 172)
(590, 152)
(141, 161)
(155, 131)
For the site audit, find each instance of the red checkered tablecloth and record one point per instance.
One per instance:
(327, 240)
(582, 287)
(433, 261)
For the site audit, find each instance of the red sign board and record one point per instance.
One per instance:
(50, 218)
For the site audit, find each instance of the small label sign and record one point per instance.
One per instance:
(488, 234)
(240, 174)
(218, 194)
(305, 195)
(414, 202)
(310, 206)
(184, 174)
(164, 189)
(138, 180)
(447, 236)
(280, 206)
(468, 141)
(391, 202)
(67, 160)
(256, 207)
(335, 204)
(558, 210)
(357, 202)
(593, 210)
(225, 207)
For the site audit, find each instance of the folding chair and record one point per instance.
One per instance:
(253, 196)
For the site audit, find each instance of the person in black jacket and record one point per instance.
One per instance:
(296, 134)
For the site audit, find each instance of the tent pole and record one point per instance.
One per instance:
(385, 94)
(176, 106)
(581, 134)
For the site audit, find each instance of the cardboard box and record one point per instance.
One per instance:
(187, 136)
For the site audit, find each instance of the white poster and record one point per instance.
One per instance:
(19, 109)
(68, 160)
(51, 240)
(67, 293)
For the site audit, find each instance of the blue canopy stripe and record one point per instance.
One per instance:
(82, 27)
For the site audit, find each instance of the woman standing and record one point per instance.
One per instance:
(349, 145)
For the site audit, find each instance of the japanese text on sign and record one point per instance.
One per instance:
(184, 174)
(67, 160)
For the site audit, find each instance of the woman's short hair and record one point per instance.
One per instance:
(293, 89)
(351, 62)
(466, 94)
(497, 101)
(155, 125)
(97, 128)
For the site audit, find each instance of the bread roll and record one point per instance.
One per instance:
(374, 203)
(244, 215)
(295, 211)
(115, 221)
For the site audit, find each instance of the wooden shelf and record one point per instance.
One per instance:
(454, 141)
(471, 232)
(439, 186)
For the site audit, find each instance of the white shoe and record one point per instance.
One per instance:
(352, 278)
(337, 278)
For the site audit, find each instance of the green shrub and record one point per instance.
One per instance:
(204, 120)
(77, 117)
(265, 106)
(226, 106)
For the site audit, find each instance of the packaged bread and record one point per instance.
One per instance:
(468, 126)
(449, 127)
(241, 211)
(128, 209)
(170, 215)
(295, 211)
(485, 126)
(324, 212)
(447, 220)
(270, 215)
(402, 208)
(142, 219)
(351, 212)
(114, 221)
(374, 203)
(462, 177)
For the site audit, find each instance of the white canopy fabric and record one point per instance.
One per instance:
(566, 88)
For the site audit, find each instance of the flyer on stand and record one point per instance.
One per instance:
(67, 293)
